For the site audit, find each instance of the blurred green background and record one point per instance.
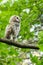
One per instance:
(30, 12)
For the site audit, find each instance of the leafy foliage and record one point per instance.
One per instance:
(29, 11)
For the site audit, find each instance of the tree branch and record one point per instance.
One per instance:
(9, 42)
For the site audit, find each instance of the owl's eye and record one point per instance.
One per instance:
(17, 17)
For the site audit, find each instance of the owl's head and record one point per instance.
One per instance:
(14, 18)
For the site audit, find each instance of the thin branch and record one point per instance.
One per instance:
(9, 42)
